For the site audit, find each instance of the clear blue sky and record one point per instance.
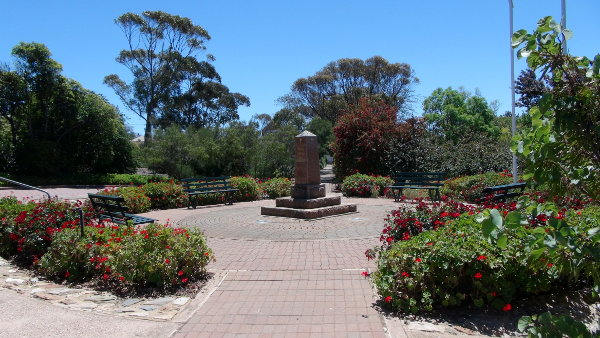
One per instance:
(262, 47)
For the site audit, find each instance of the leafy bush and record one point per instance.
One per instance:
(457, 265)
(135, 199)
(362, 185)
(248, 188)
(468, 188)
(277, 187)
(549, 325)
(165, 195)
(154, 256)
(30, 233)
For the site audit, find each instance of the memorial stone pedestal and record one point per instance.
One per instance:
(308, 194)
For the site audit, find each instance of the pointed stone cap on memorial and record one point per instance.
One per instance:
(306, 133)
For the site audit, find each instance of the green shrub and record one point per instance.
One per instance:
(154, 256)
(362, 185)
(29, 234)
(89, 179)
(135, 199)
(457, 265)
(10, 208)
(449, 267)
(277, 187)
(248, 188)
(165, 195)
(468, 188)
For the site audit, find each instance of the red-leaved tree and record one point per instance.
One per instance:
(363, 135)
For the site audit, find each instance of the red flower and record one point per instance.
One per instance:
(405, 274)
(493, 294)
(122, 279)
(430, 243)
(482, 257)
(388, 299)
(365, 273)
(105, 276)
(184, 280)
(180, 273)
(549, 265)
(67, 274)
(167, 261)
(417, 260)
(478, 275)
(507, 307)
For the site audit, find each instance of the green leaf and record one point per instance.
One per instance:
(496, 218)
(596, 66)
(524, 322)
(549, 241)
(502, 241)
(513, 219)
(568, 34)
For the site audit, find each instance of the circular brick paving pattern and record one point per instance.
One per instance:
(248, 223)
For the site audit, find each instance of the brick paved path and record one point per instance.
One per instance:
(285, 277)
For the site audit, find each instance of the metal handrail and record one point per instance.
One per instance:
(25, 186)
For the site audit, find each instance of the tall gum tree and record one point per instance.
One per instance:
(342, 83)
(157, 42)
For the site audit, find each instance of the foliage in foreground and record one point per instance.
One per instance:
(27, 229)
(562, 147)
(46, 235)
(457, 265)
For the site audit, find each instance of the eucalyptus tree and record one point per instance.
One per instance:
(342, 83)
(170, 85)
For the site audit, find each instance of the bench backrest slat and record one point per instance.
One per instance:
(206, 184)
(426, 179)
(109, 205)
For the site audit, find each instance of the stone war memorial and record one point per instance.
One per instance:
(308, 198)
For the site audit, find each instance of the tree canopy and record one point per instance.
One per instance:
(452, 113)
(344, 82)
(170, 85)
(56, 126)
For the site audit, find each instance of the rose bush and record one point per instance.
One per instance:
(276, 187)
(156, 256)
(361, 185)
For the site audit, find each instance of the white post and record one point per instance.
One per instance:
(512, 87)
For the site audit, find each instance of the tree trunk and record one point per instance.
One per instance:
(148, 130)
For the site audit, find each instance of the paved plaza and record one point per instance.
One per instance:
(273, 277)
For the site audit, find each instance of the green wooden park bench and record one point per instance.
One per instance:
(501, 193)
(113, 208)
(208, 185)
(427, 181)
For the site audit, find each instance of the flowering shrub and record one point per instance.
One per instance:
(29, 235)
(249, 189)
(135, 198)
(485, 262)
(362, 185)
(456, 265)
(468, 188)
(126, 257)
(277, 187)
(404, 222)
(165, 195)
